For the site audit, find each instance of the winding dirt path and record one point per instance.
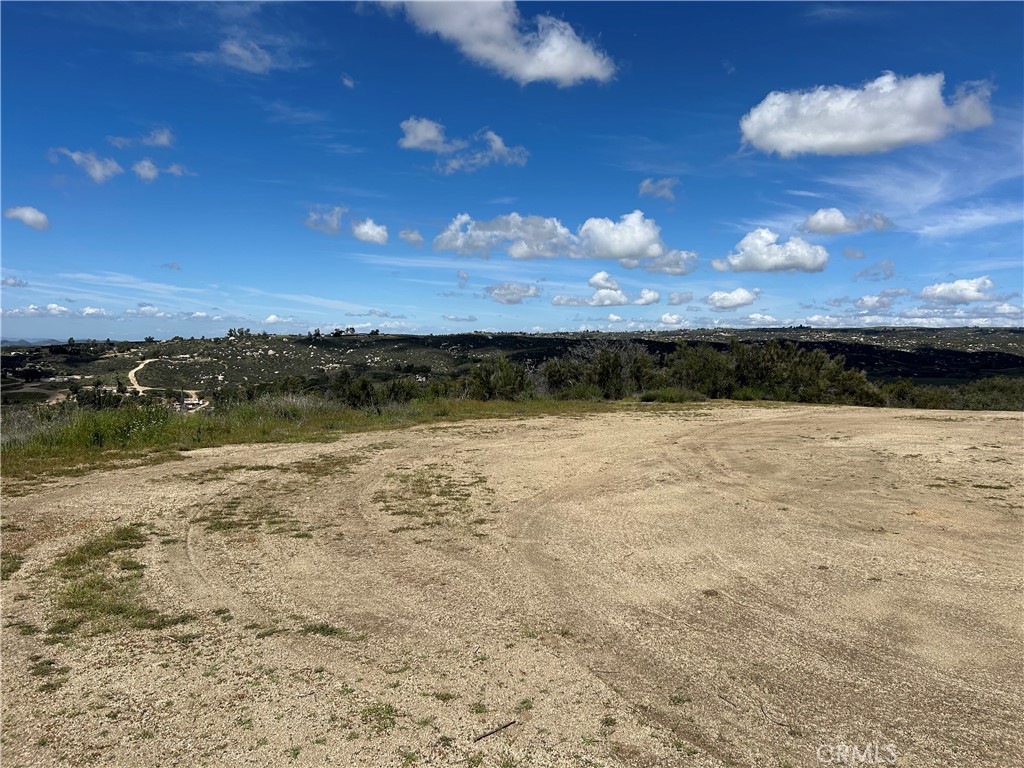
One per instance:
(708, 586)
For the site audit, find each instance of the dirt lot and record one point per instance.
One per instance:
(717, 585)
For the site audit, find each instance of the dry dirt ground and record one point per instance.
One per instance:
(706, 586)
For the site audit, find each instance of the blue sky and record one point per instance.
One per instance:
(182, 168)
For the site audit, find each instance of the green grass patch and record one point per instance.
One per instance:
(98, 592)
(10, 562)
(380, 717)
(325, 629)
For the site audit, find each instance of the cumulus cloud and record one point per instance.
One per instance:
(426, 135)
(607, 293)
(883, 114)
(494, 35)
(33, 310)
(680, 297)
(370, 232)
(633, 240)
(759, 319)
(659, 188)
(95, 312)
(146, 170)
(613, 318)
(485, 147)
(525, 237)
(669, 318)
(411, 236)
(29, 216)
(832, 221)
(883, 270)
(508, 292)
(880, 302)
(647, 296)
(277, 319)
(100, 169)
(326, 219)
(12, 282)
(724, 301)
(959, 291)
(758, 251)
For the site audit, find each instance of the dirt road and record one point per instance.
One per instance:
(715, 586)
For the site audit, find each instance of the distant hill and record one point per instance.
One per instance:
(28, 342)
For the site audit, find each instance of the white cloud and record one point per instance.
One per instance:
(740, 297)
(647, 296)
(276, 319)
(28, 216)
(426, 135)
(493, 151)
(680, 297)
(832, 221)
(348, 81)
(457, 319)
(463, 276)
(659, 187)
(884, 114)
(527, 237)
(370, 232)
(249, 56)
(13, 282)
(634, 241)
(32, 310)
(607, 293)
(412, 237)
(493, 34)
(759, 252)
(880, 302)
(95, 312)
(961, 222)
(630, 239)
(146, 170)
(158, 137)
(613, 318)
(508, 292)
(883, 270)
(758, 319)
(484, 148)
(959, 291)
(673, 263)
(100, 169)
(603, 280)
(326, 219)
(672, 319)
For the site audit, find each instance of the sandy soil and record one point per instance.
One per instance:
(720, 585)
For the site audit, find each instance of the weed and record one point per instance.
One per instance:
(478, 708)
(293, 752)
(10, 562)
(445, 696)
(380, 717)
(409, 758)
(524, 706)
(608, 721)
(678, 699)
(325, 629)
